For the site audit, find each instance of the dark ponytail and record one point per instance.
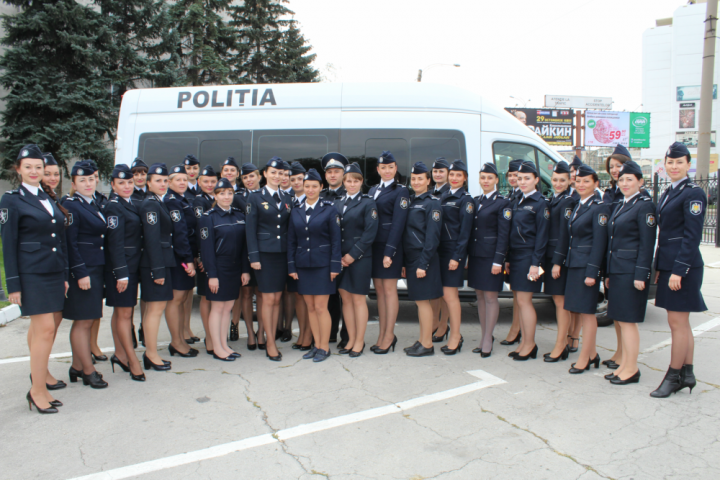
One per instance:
(52, 195)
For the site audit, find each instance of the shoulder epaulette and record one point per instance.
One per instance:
(692, 185)
(434, 197)
(500, 196)
(236, 209)
(645, 199)
(114, 200)
(599, 202)
(365, 195)
(69, 198)
(327, 202)
(403, 186)
(171, 197)
(466, 193)
(13, 192)
(209, 211)
(477, 198)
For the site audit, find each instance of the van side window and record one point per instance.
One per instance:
(211, 147)
(222, 149)
(503, 153)
(546, 166)
(304, 146)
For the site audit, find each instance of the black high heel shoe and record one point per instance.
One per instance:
(234, 333)
(563, 356)
(373, 348)
(262, 346)
(148, 364)
(572, 341)
(74, 374)
(94, 380)
(99, 358)
(56, 403)
(380, 351)
(141, 335)
(441, 337)
(135, 342)
(229, 358)
(354, 354)
(610, 376)
(276, 358)
(512, 342)
(31, 402)
(60, 384)
(137, 378)
(115, 360)
(174, 351)
(670, 384)
(306, 348)
(452, 351)
(595, 361)
(532, 354)
(254, 346)
(619, 381)
(479, 349)
(209, 352)
(687, 378)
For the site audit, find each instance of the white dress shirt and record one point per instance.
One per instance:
(45, 202)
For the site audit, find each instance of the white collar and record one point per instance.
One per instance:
(31, 189)
(143, 189)
(488, 195)
(224, 210)
(352, 197)
(87, 199)
(272, 192)
(452, 192)
(388, 183)
(627, 199)
(525, 195)
(438, 186)
(287, 191)
(674, 184)
(192, 185)
(161, 197)
(307, 205)
(588, 198)
(300, 198)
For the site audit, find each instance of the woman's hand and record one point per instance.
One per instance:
(15, 297)
(496, 269)
(589, 281)
(640, 285)
(333, 275)
(159, 281)
(387, 261)
(507, 267)
(190, 270)
(556, 271)
(534, 273)
(607, 284)
(657, 275)
(121, 285)
(255, 266)
(293, 276)
(84, 283)
(403, 273)
(453, 265)
(675, 282)
(421, 273)
(200, 265)
(213, 284)
(347, 260)
(245, 279)
(67, 287)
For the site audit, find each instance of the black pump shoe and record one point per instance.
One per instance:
(135, 342)
(56, 403)
(31, 402)
(262, 346)
(563, 356)
(442, 337)
(305, 348)
(234, 333)
(74, 374)
(380, 351)
(572, 342)
(115, 360)
(672, 383)
(94, 380)
(148, 364)
(286, 336)
(512, 342)
(420, 351)
(687, 378)
(595, 361)
(60, 384)
(229, 358)
(452, 351)
(610, 376)
(99, 358)
(619, 381)
(354, 354)
(276, 358)
(174, 351)
(209, 352)
(483, 354)
(522, 358)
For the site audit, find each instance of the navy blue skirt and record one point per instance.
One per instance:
(42, 293)
(429, 287)
(355, 279)
(451, 278)
(86, 304)
(480, 276)
(625, 302)
(688, 299)
(316, 281)
(273, 275)
(230, 280)
(128, 298)
(180, 279)
(151, 291)
(519, 269)
(579, 298)
(378, 270)
(553, 286)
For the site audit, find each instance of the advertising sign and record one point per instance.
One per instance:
(570, 101)
(608, 129)
(553, 126)
(690, 138)
(692, 92)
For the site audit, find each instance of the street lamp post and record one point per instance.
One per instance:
(420, 72)
(520, 99)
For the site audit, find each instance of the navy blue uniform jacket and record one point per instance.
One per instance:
(223, 240)
(123, 243)
(588, 237)
(631, 238)
(422, 231)
(266, 223)
(529, 228)
(392, 205)
(315, 243)
(157, 236)
(359, 225)
(681, 215)
(33, 241)
(561, 208)
(183, 229)
(457, 223)
(85, 236)
(491, 228)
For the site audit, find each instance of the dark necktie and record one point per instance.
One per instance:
(276, 197)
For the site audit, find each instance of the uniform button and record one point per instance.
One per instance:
(308, 249)
(101, 248)
(278, 236)
(278, 226)
(54, 249)
(305, 228)
(343, 239)
(278, 216)
(52, 235)
(308, 238)
(53, 220)
(102, 236)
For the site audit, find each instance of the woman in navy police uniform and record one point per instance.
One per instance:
(457, 219)
(185, 250)
(422, 263)
(359, 225)
(36, 267)
(85, 240)
(123, 248)
(630, 250)
(224, 253)
(561, 205)
(679, 265)
(514, 195)
(156, 262)
(268, 212)
(392, 200)
(203, 202)
(304, 342)
(487, 249)
(588, 238)
(314, 259)
(528, 241)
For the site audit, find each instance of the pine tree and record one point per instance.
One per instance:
(204, 42)
(296, 63)
(58, 89)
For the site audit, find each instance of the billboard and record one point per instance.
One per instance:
(608, 129)
(553, 126)
(690, 138)
(571, 101)
(692, 92)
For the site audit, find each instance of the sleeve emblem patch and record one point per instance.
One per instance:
(650, 220)
(696, 207)
(568, 212)
(469, 208)
(547, 214)
(403, 202)
(198, 212)
(152, 218)
(112, 222)
(436, 215)
(602, 219)
(507, 213)
(175, 215)
(374, 214)
(204, 233)
(4, 215)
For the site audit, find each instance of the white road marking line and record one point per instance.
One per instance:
(714, 265)
(103, 350)
(486, 380)
(700, 329)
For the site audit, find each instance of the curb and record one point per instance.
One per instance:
(8, 314)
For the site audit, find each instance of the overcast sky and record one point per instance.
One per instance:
(523, 48)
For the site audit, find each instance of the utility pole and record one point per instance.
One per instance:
(706, 90)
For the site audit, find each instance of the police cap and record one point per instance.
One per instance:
(121, 171)
(334, 160)
(313, 174)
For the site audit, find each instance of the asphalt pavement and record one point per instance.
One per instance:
(376, 416)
